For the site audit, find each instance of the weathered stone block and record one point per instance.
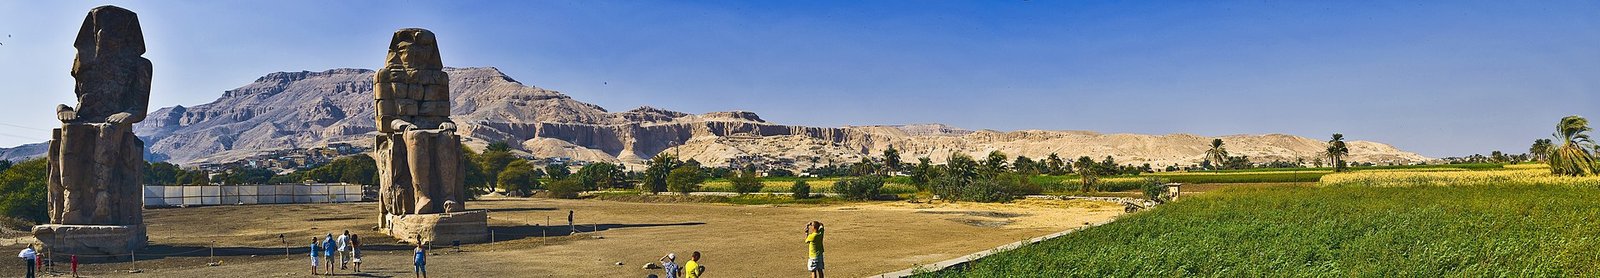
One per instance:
(439, 228)
(434, 108)
(436, 93)
(91, 239)
(406, 107)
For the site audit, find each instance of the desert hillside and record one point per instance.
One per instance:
(298, 110)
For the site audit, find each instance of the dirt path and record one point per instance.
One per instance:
(737, 241)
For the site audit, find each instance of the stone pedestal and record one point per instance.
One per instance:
(91, 239)
(439, 228)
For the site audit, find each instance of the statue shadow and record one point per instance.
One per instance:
(504, 233)
(519, 209)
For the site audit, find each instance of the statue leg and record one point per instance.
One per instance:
(419, 160)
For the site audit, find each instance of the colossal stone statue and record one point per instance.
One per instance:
(96, 164)
(421, 186)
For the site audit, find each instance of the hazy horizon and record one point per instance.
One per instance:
(1437, 78)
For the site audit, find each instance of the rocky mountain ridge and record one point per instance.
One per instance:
(296, 110)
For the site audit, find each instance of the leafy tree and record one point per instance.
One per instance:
(564, 189)
(1055, 166)
(1088, 173)
(655, 174)
(477, 182)
(1025, 165)
(1155, 189)
(1336, 152)
(961, 167)
(22, 191)
(1573, 157)
(1541, 149)
(685, 179)
(994, 163)
(251, 175)
(800, 189)
(780, 172)
(601, 175)
(859, 188)
(557, 171)
(498, 146)
(5, 164)
(891, 159)
(518, 178)
(922, 173)
(1217, 155)
(494, 159)
(745, 182)
(161, 173)
(865, 167)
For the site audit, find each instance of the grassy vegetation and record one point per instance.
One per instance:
(750, 199)
(824, 185)
(1486, 230)
(1527, 177)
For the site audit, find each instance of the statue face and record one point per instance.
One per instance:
(414, 48)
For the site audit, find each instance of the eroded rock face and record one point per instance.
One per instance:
(417, 151)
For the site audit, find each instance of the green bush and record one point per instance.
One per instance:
(745, 182)
(1155, 189)
(685, 179)
(22, 191)
(564, 189)
(518, 178)
(859, 188)
(1000, 188)
(800, 189)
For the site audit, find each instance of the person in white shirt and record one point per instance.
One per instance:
(671, 267)
(28, 257)
(344, 250)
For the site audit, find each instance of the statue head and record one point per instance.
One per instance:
(414, 48)
(109, 31)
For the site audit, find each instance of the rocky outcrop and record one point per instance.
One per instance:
(301, 109)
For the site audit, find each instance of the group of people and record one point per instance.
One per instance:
(32, 258)
(346, 249)
(693, 268)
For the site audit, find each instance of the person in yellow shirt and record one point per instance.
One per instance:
(693, 269)
(814, 248)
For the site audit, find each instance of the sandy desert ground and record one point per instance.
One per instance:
(737, 241)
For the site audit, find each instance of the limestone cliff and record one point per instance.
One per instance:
(292, 110)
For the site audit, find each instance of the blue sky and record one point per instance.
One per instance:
(1442, 78)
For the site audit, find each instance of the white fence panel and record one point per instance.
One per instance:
(183, 195)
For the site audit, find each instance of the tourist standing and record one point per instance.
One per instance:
(74, 266)
(28, 256)
(344, 250)
(420, 262)
(814, 248)
(669, 264)
(316, 251)
(329, 247)
(572, 228)
(355, 251)
(693, 268)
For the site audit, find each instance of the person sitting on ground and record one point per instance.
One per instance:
(316, 251)
(693, 268)
(344, 250)
(420, 262)
(814, 248)
(329, 247)
(355, 251)
(27, 255)
(669, 265)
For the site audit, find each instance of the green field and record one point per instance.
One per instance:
(1420, 231)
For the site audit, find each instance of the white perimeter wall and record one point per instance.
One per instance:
(190, 195)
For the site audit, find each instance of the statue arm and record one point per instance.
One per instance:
(399, 125)
(447, 125)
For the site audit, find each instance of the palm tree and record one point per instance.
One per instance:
(1217, 154)
(1336, 152)
(1540, 149)
(1573, 158)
